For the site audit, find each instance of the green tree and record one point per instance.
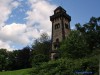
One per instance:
(24, 58)
(20, 59)
(3, 58)
(9, 61)
(91, 31)
(74, 46)
(16, 59)
(41, 49)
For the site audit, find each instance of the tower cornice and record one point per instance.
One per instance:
(60, 12)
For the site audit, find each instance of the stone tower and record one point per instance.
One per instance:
(60, 29)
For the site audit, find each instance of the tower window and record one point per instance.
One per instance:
(57, 44)
(57, 26)
(57, 40)
(66, 26)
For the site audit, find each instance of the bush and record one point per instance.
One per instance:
(67, 66)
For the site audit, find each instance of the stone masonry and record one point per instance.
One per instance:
(60, 29)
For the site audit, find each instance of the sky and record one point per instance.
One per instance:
(23, 21)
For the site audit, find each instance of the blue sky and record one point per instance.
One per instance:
(80, 10)
(23, 21)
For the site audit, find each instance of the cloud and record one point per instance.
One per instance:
(39, 13)
(6, 7)
(23, 34)
(17, 34)
(15, 4)
(5, 45)
(14, 32)
(4, 11)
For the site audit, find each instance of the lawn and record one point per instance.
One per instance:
(16, 72)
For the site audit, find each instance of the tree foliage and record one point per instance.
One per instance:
(23, 58)
(83, 41)
(67, 66)
(41, 49)
(13, 60)
(91, 31)
(3, 57)
(74, 46)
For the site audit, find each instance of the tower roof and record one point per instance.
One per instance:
(60, 12)
(60, 9)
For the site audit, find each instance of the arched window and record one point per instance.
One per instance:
(66, 26)
(57, 44)
(57, 26)
(57, 40)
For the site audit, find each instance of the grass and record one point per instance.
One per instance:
(16, 72)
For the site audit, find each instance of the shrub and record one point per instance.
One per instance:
(67, 66)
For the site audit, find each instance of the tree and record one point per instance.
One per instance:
(41, 48)
(3, 58)
(74, 46)
(44, 38)
(91, 31)
(24, 58)
(18, 59)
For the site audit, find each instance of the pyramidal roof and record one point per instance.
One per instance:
(59, 8)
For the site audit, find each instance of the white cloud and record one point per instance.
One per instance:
(22, 34)
(39, 13)
(6, 7)
(4, 11)
(14, 32)
(5, 45)
(17, 34)
(15, 4)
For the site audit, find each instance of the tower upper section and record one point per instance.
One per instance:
(60, 12)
